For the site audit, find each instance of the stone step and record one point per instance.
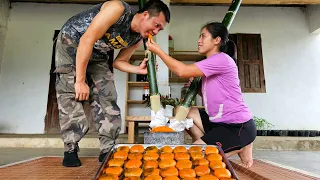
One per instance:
(281, 143)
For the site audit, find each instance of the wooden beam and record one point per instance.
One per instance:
(189, 2)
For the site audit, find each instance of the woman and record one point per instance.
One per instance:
(226, 121)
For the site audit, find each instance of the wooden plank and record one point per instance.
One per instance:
(266, 170)
(188, 57)
(126, 104)
(147, 118)
(256, 71)
(138, 118)
(137, 84)
(252, 49)
(131, 133)
(247, 76)
(262, 78)
(189, 2)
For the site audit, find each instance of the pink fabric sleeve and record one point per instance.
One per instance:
(216, 64)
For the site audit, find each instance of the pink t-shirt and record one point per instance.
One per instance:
(221, 92)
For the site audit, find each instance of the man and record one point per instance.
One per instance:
(81, 60)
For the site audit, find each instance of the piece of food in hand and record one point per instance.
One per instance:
(184, 164)
(196, 155)
(162, 129)
(137, 149)
(171, 178)
(187, 173)
(108, 177)
(222, 173)
(152, 149)
(133, 172)
(210, 150)
(166, 149)
(166, 156)
(180, 149)
(214, 157)
(151, 171)
(113, 170)
(181, 155)
(169, 171)
(135, 156)
(133, 163)
(120, 155)
(217, 164)
(200, 162)
(195, 149)
(150, 156)
(208, 177)
(115, 162)
(202, 170)
(153, 177)
(123, 148)
(167, 163)
(150, 164)
(150, 36)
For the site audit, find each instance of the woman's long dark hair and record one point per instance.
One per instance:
(217, 29)
(232, 50)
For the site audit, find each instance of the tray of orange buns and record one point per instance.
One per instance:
(165, 162)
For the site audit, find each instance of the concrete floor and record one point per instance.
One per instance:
(306, 161)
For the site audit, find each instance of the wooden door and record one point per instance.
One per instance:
(250, 62)
(52, 116)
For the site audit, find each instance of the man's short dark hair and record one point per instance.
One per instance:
(154, 7)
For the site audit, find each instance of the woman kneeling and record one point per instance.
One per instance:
(226, 120)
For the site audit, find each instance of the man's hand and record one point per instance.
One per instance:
(82, 91)
(143, 67)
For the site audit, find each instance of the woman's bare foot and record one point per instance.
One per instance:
(246, 156)
(199, 141)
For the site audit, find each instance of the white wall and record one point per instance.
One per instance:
(313, 14)
(4, 14)
(290, 59)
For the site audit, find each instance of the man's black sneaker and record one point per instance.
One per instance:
(71, 159)
(102, 156)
